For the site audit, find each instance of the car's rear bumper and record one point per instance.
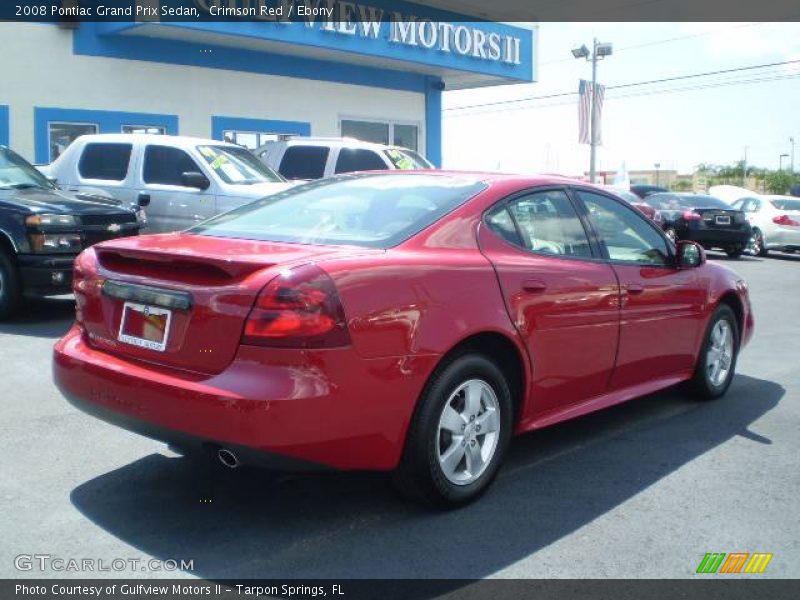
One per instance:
(45, 275)
(716, 237)
(276, 407)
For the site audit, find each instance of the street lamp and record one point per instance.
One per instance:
(791, 141)
(658, 166)
(600, 51)
(780, 161)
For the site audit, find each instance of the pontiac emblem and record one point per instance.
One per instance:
(114, 227)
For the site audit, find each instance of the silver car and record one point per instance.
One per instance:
(775, 221)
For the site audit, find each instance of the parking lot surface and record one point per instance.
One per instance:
(640, 490)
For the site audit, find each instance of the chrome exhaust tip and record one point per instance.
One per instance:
(228, 458)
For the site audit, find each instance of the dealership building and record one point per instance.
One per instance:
(250, 81)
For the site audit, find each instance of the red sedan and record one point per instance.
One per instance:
(408, 321)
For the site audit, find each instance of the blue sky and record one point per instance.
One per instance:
(676, 129)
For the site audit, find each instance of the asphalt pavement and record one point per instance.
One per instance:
(640, 490)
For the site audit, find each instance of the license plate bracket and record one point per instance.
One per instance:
(723, 220)
(145, 326)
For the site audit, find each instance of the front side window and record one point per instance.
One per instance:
(304, 162)
(370, 210)
(165, 165)
(105, 161)
(547, 224)
(237, 166)
(358, 159)
(626, 235)
(61, 135)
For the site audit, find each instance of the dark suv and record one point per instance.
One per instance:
(42, 230)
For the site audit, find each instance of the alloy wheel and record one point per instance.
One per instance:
(720, 353)
(756, 243)
(468, 432)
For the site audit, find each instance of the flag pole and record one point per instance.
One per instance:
(592, 118)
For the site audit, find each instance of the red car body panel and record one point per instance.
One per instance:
(588, 334)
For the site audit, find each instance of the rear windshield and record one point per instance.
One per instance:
(675, 202)
(374, 211)
(785, 203)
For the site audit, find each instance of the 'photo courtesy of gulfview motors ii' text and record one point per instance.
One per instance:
(399, 299)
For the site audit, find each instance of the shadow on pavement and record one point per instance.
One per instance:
(259, 525)
(42, 317)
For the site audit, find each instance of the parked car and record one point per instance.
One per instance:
(42, 230)
(308, 158)
(703, 219)
(392, 322)
(179, 180)
(775, 221)
(636, 202)
(643, 190)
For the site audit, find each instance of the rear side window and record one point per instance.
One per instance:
(358, 159)
(547, 223)
(304, 162)
(165, 165)
(105, 161)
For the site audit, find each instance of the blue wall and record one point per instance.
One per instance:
(107, 121)
(433, 121)
(221, 124)
(4, 126)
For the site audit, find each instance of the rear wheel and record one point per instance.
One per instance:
(10, 293)
(459, 434)
(717, 361)
(735, 252)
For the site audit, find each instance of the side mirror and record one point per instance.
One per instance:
(195, 179)
(690, 254)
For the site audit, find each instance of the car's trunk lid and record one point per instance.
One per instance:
(198, 291)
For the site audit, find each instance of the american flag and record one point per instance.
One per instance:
(584, 102)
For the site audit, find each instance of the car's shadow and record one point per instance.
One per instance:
(42, 317)
(258, 525)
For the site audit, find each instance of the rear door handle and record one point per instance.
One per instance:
(534, 285)
(634, 288)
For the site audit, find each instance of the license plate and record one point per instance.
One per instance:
(723, 220)
(145, 326)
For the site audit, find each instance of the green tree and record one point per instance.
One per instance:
(780, 182)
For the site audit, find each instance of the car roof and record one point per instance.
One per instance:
(333, 142)
(495, 178)
(170, 140)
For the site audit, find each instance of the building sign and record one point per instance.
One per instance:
(373, 23)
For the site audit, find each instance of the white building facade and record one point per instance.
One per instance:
(249, 82)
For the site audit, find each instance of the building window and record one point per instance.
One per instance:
(105, 161)
(151, 129)
(61, 135)
(249, 139)
(382, 132)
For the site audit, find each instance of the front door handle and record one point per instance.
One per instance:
(634, 288)
(534, 285)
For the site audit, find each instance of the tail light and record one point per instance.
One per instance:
(83, 273)
(300, 308)
(786, 220)
(690, 215)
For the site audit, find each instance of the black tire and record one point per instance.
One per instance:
(757, 243)
(10, 289)
(734, 252)
(702, 385)
(420, 476)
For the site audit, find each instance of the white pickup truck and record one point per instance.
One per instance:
(179, 181)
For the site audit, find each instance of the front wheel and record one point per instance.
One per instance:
(10, 295)
(459, 434)
(757, 246)
(717, 361)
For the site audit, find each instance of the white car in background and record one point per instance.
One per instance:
(775, 221)
(307, 158)
(179, 181)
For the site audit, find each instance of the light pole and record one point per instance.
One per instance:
(791, 166)
(658, 166)
(780, 161)
(599, 51)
